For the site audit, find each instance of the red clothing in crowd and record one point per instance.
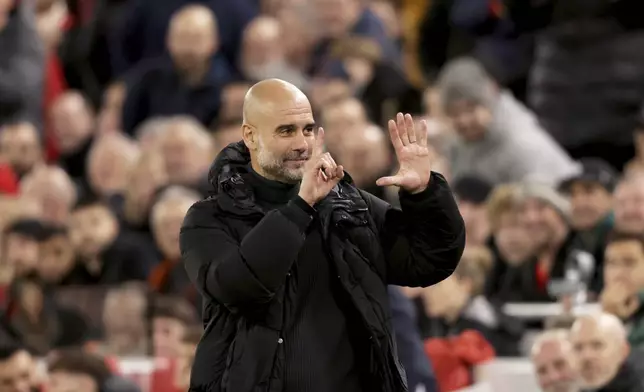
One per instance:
(8, 180)
(55, 85)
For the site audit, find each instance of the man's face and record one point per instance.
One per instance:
(541, 220)
(629, 208)
(17, 373)
(624, 264)
(92, 229)
(285, 141)
(72, 122)
(124, 320)
(335, 17)
(5, 8)
(590, 203)
(21, 252)
(556, 367)
(226, 135)
(56, 258)
(183, 158)
(20, 146)
(445, 298)
(167, 336)
(469, 119)
(599, 354)
(363, 153)
(166, 227)
(61, 381)
(191, 45)
(261, 49)
(338, 118)
(513, 238)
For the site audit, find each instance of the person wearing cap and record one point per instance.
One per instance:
(471, 193)
(545, 213)
(591, 200)
(498, 138)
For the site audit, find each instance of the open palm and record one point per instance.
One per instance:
(410, 144)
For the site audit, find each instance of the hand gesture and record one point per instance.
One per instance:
(321, 173)
(619, 300)
(410, 143)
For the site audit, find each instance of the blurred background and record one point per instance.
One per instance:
(111, 112)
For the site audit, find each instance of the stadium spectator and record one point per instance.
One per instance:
(18, 371)
(172, 317)
(53, 190)
(190, 82)
(555, 362)
(629, 205)
(471, 194)
(20, 146)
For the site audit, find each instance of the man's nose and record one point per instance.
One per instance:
(300, 142)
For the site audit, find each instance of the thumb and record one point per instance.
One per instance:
(386, 181)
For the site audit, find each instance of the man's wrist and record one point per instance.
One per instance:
(307, 199)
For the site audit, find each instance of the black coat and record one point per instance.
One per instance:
(239, 258)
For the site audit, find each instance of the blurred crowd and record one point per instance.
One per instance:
(111, 112)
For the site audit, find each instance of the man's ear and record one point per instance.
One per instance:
(249, 135)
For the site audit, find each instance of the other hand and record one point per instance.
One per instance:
(619, 300)
(410, 144)
(321, 173)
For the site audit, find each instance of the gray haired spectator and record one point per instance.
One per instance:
(499, 139)
(22, 64)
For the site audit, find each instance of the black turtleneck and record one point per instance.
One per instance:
(319, 353)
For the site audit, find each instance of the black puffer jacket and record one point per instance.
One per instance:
(239, 257)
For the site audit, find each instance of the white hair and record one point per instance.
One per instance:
(174, 195)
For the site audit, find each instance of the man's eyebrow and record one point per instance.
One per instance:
(286, 127)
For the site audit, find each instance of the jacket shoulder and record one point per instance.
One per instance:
(204, 213)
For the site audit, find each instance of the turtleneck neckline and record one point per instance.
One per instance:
(269, 192)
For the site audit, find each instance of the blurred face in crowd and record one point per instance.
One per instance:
(5, 8)
(337, 17)
(262, 52)
(600, 350)
(187, 150)
(18, 372)
(53, 190)
(446, 299)
(629, 206)
(325, 91)
(56, 258)
(543, 222)
(624, 264)
(167, 218)
(93, 228)
(72, 122)
(110, 161)
(556, 366)
(280, 133)
(109, 119)
(124, 320)
(512, 238)
(63, 381)
(168, 336)
(339, 117)
(232, 100)
(31, 299)
(364, 153)
(20, 146)
(224, 135)
(148, 175)
(20, 252)
(192, 38)
(470, 120)
(50, 19)
(387, 14)
(476, 223)
(590, 204)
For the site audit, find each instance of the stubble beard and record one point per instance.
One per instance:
(274, 167)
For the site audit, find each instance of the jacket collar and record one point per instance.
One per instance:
(228, 185)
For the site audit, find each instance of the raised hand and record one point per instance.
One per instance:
(410, 143)
(321, 173)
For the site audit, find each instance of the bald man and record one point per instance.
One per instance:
(190, 82)
(606, 360)
(555, 363)
(293, 260)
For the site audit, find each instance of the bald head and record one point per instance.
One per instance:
(601, 345)
(364, 152)
(278, 129)
(72, 121)
(193, 39)
(269, 95)
(554, 362)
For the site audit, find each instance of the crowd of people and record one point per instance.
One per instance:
(112, 111)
